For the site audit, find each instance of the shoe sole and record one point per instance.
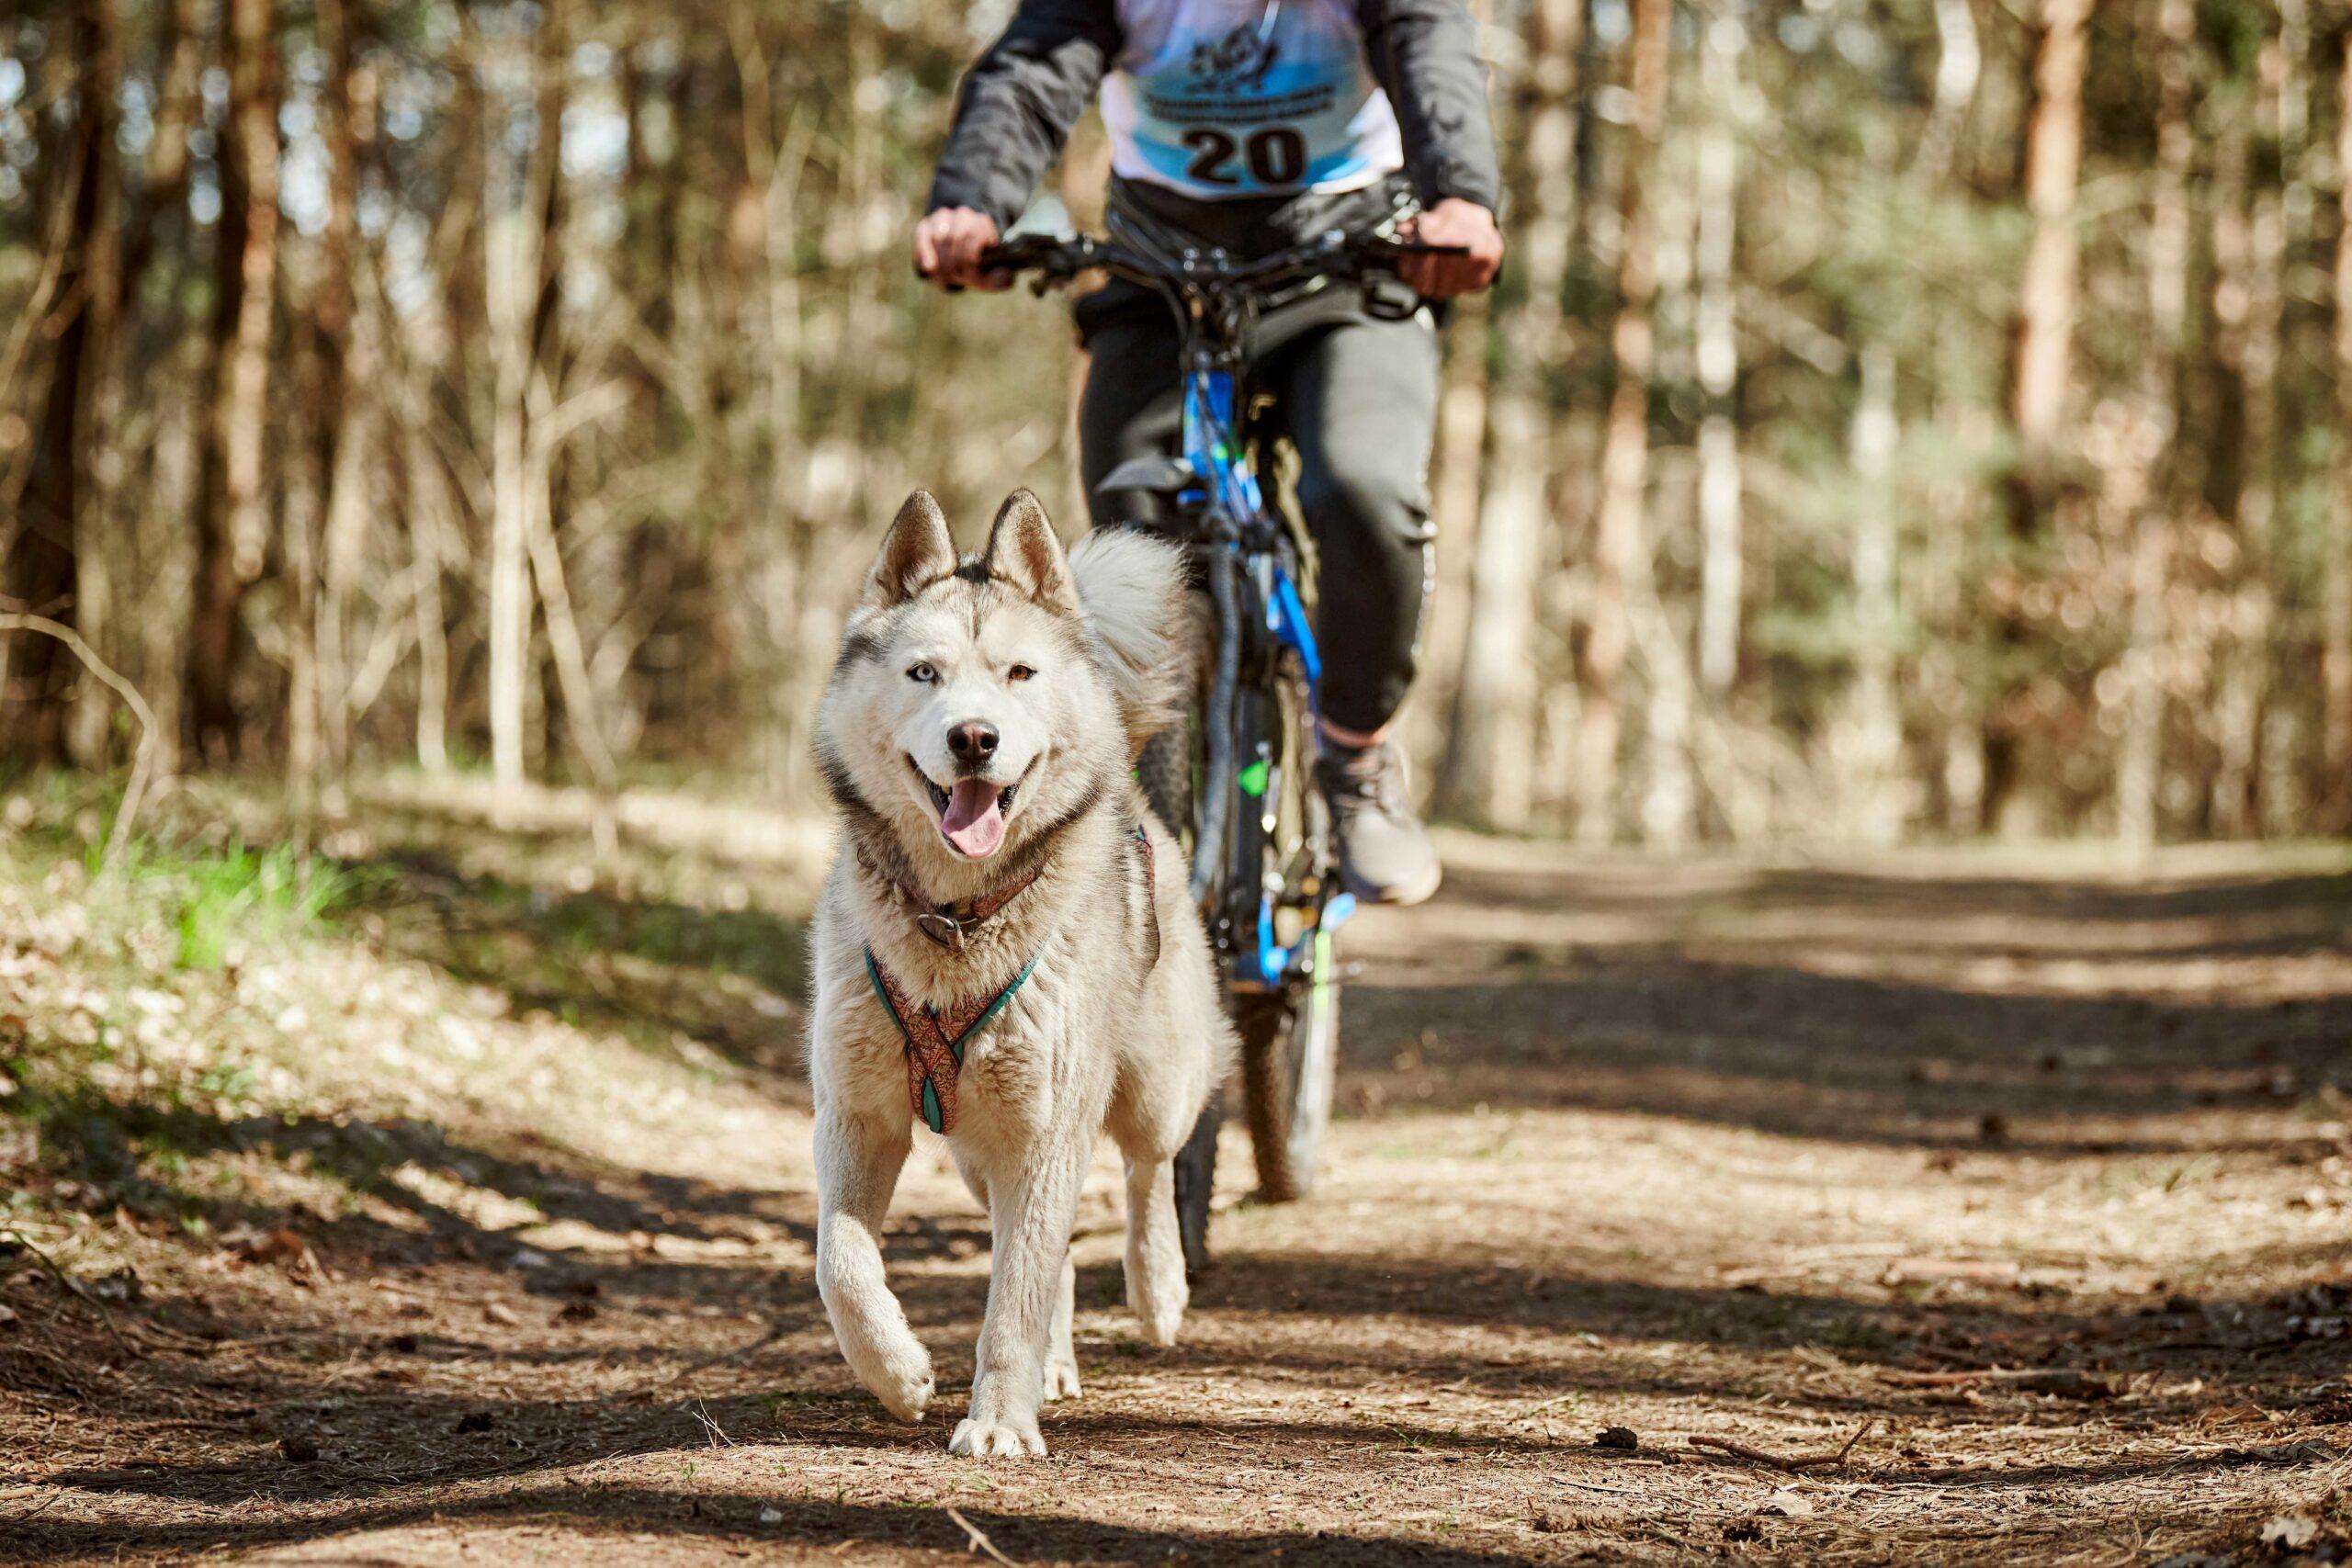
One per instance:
(1396, 898)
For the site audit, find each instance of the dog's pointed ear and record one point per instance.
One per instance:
(1023, 554)
(917, 551)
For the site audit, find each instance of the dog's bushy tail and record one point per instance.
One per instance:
(1131, 586)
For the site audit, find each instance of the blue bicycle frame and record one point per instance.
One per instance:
(1215, 452)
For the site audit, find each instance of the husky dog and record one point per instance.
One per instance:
(1006, 949)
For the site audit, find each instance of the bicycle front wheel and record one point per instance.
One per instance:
(1290, 1047)
(1287, 1009)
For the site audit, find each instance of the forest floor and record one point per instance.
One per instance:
(455, 1206)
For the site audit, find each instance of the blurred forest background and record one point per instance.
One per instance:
(1898, 417)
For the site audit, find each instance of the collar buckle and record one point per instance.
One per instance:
(942, 927)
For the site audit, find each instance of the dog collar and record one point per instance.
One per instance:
(936, 1040)
(945, 924)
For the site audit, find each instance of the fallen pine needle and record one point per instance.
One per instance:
(1533, 1411)
(1792, 1463)
(979, 1538)
(73, 1288)
(2068, 1380)
(706, 1363)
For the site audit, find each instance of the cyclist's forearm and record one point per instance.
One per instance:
(1426, 54)
(1019, 101)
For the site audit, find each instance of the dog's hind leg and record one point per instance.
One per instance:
(1062, 1351)
(1157, 1289)
(858, 1158)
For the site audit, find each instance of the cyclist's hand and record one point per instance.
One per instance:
(948, 243)
(1451, 222)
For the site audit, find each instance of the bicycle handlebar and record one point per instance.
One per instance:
(1060, 257)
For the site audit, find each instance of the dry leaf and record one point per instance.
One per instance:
(1788, 1503)
(499, 1312)
(2231, 1415)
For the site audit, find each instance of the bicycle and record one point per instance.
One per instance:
(1238, 776)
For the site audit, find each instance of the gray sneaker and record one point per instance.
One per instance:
(1385, 856)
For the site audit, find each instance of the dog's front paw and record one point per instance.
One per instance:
(900, 1378)
(910, 1398)
(1159, 1304)
(1009, 1436)
(1061, 1379)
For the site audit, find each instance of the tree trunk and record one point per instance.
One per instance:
(1720, 521)
(510, 255)
(232, 524)
(773, 516)
(1620, 536)
(1489, 772)
(1937, 590)
(514, 275)
(48, 523)
(1960, 61)
(430, 517)
(96, 385)
(2138, 772)
(2336, 748)
(2249, 299)
(1457, 481)
(1871, 774)
(157, 230)
(2040, 357)
(349, 318)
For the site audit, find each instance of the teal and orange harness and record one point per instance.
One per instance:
(935, 1039)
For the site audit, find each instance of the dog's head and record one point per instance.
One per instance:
(979, 702)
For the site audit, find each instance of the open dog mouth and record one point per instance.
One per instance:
(972, 812)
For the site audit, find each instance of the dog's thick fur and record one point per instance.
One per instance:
(1073, 659)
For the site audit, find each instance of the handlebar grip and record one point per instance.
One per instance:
(1012, 255)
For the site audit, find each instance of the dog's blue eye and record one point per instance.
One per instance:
(923, 672)
(1019, 672)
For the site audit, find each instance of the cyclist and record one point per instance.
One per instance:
(1253, 126)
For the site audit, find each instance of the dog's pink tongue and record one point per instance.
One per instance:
(973, 822)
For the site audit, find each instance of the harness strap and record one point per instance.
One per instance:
(935, 1040)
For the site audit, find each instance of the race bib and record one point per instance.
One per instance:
(1248, 97)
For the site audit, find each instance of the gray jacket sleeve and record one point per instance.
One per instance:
(1425, 53)
(1019, 101)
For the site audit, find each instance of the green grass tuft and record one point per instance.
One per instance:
(240, 895)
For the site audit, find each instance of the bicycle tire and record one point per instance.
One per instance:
(1289, 1053)
(1289, 1035)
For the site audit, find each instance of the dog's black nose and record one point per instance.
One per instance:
(972, 741)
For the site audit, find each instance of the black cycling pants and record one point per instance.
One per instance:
(1358, 399)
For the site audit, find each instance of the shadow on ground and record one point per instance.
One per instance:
(626, 1513)
(1687, 1011)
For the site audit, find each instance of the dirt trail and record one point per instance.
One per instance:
(1700, 1150)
